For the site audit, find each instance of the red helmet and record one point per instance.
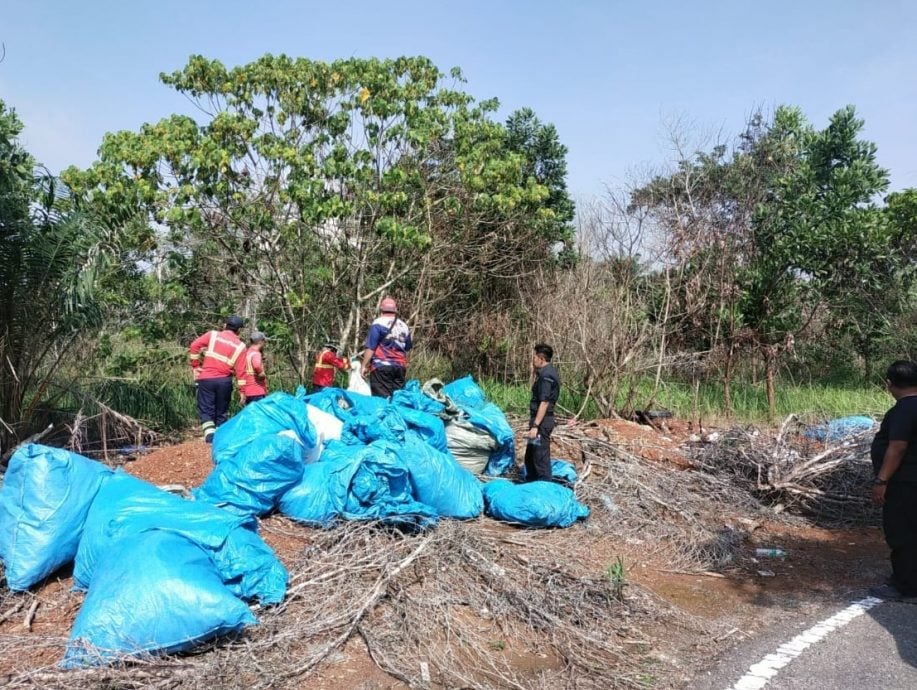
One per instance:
(388, 306)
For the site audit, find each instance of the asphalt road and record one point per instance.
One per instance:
(877, 649)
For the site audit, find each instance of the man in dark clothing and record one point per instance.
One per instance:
(894, 459)
(545, 392)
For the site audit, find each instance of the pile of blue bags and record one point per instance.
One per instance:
(163, 574)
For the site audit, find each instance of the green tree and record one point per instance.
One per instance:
(309, 189)
(52, 268)
(784, 222)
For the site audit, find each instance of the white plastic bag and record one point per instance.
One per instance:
(357, 383)
(327, 428)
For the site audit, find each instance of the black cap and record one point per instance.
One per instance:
(234, 323)
(332, 346)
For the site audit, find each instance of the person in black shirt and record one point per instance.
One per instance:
(894, 459)
(545, 392)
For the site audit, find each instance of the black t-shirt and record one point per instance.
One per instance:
(545, 388)
(899, 424)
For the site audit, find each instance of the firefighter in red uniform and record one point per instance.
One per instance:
(215, 357)
(254, 388)
(325, 364)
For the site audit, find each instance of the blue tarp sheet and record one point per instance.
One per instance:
(840, 429)
(44, 501)
(160, 595)
(533, 504)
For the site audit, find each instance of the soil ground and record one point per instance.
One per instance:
(736, 603)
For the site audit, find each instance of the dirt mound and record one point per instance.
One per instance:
(640, 440)
(187, 463)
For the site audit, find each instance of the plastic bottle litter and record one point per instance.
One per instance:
(770, 553)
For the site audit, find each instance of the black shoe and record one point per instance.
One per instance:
(208, 438)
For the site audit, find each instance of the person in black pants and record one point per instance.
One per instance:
(545, 392)
(894, 459)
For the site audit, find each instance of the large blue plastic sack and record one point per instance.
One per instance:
(438, 480)
(379, 421)
(251, 480)
(277, 412)
(560, 469)
(412, 396)
(428, 426)
(840, 429)
(44, 500)
(469, 397)
(356, 483)
(533, 504)
(156, 595)
(335, 401)
(127, 507)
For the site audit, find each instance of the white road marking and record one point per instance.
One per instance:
(759, 674)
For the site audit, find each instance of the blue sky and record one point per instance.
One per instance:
(608, 74)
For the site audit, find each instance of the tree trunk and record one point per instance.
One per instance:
(770, 366)
(727, 380)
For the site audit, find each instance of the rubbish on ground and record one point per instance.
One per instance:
(466, 409)
(770, 553)
(129, 509)
(253, 479)
(840, 429)
(766, 573)
(276, 413)
(533, 504)
(560, 469)
(356, 483)
(157, 595)
(439, 481)
(46, 495)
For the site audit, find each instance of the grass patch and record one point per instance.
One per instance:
(814, 401)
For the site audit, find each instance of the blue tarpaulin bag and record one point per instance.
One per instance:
(840, 429)
(533, 504)
(356, 483)
(412, 396)
(439, 481)
(428, 426)
(157, 595)
(127, 507)
(44, 501)
(469, 397)
(334, 401)
(251, 480)
(560, 469)
(277, 412)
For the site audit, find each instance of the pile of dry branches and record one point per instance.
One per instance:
(467, 604)
(826, 481)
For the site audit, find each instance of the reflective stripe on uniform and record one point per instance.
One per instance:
(320, 365)
(228, 361)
